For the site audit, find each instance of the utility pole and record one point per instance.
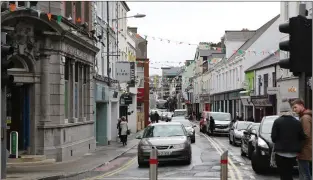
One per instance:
(108, 44)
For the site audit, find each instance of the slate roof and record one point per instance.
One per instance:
(256, 36)
(238, 35)
(266, 62)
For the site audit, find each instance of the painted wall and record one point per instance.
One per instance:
(249, 80)
(261, 72)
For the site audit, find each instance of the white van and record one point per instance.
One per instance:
(180, 112)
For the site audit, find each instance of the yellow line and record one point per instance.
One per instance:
(125, 166)
(239, 175)
(236, 169)
(232, 175)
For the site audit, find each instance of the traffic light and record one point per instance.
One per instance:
(299, 45)
(6, 64)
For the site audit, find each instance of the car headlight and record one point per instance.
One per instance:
(145, 147)
(262, 143)
(178, 146)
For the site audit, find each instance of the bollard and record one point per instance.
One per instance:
(224, 166)
(153, 174)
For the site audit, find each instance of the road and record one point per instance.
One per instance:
(205, 165)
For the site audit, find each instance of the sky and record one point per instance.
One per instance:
(191, 23)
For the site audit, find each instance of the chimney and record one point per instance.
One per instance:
(132, 29)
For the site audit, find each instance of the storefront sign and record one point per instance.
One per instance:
(76, 52)
(246, 101)
(261, 102)
(234, 95)
(272, 90)
(123, 72)
(292, 89)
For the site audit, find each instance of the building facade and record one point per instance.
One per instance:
(53, 93)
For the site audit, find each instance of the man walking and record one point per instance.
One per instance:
(305, 156)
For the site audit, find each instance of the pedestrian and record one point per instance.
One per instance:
(212, 125)
(119, 128)
(305, 156)
(124, 131)
(287, 135)
(156, 117)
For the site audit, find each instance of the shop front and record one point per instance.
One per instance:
(263, 107)
(205, 101)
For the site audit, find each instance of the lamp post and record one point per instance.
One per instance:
(108, 36)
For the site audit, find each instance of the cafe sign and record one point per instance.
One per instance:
(292, 89)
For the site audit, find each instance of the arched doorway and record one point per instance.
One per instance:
(19, 102)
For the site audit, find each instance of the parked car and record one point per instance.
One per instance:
(248, 140)
(222, 122)
(166, 116)
(189, 128)
(260, 159)
(170, 139)
(236, 132)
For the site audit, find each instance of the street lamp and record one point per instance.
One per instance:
(108, 36)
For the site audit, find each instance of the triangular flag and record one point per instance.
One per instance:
(78, 20)
(49, 16)
(146, 36)
(59, 18)
(12, 7)
(137, 35)
(38, 13)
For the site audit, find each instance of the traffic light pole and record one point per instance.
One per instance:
(3, 133)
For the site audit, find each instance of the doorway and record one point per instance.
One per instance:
(18, 115)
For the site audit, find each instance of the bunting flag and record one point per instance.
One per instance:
(59, 18)
(78, 20)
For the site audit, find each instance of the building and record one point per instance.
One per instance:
(53, 93)
(142, 79)
(106, 106)
(262, 96)
(168, 74)
(285, 78)
(187, 85)
(229, 73)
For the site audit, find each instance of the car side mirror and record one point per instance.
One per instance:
(139, 137)
(245, 133)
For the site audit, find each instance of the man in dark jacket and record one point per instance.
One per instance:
(212, 125)
(156, 117)
(287, 135)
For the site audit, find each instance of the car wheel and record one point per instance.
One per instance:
(256, 166)
(241, 150)
(188, 161)
(230, 142)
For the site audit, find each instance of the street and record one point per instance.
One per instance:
(205, 164)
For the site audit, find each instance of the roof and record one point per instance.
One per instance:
(238, 35)
(256, 36)
(125, 5)
(266, 62)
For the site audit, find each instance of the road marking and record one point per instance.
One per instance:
(111, 173)
(217, 147)
(163, 178)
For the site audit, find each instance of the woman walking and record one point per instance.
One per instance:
(124, 131)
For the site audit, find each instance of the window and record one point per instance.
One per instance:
(205, 58)
(78, 12)
(66, 89)
(68, 8)
(86, 11)
(274, 79)
(265, 79)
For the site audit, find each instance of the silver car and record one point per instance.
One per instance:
(170, 139)
(189, 128)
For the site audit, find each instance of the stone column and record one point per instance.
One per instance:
(44, 89)
(72, 117)
(78, 113)
(82, 94)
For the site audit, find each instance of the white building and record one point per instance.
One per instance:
(285, 78)
(250, 47)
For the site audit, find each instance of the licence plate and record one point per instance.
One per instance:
(164, 153)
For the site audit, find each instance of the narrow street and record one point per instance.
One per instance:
(205, 165)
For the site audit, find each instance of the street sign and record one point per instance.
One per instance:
(14, 143)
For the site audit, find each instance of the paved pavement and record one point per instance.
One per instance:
(205, 165)
(102, 155)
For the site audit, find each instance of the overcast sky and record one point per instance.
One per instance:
(193, 22)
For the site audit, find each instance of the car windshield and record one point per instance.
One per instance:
(164, 131)
(180, 113)
(242, 125)
(220, 116)
(267, 125)
(186, 123)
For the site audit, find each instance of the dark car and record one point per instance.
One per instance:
(170, 139)
(248, 140)
(236, 131)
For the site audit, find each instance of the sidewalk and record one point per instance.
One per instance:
(90, 161)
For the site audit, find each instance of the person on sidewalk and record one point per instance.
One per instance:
(287, 135)
(212, 125)
(124, 131)
(119, 128)
(305, 156)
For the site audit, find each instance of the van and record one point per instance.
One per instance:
(180, 112)
(222, 122)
